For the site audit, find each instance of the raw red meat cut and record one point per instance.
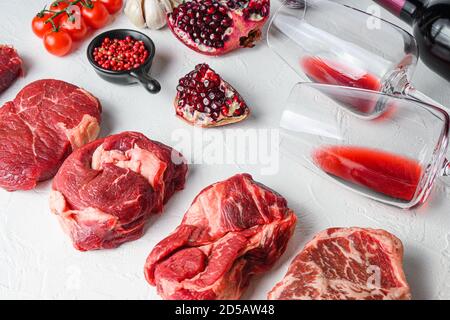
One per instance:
(234, 229)
(10, 66)
(346, 264)
(105, 192)
(46, 121)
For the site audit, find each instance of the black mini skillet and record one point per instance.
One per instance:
(140, 74)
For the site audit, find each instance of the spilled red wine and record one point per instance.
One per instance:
(389, 174)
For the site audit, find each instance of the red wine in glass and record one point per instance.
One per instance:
(431, 27)
(327, 71)
(392, 175)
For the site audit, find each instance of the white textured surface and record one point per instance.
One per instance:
(37, 259)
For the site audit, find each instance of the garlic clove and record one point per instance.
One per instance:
(168, 5)
(134, 10)
(155, 13)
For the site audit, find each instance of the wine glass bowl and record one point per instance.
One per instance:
(331, 43)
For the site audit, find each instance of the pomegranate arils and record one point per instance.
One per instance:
(205, 22)
(202, 96)
(201, 89)
(250, 7)
(214, 27)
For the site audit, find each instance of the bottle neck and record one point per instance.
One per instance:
(407, 10)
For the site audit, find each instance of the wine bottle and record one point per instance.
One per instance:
(431, 27)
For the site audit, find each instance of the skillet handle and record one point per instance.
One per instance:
(146, 81)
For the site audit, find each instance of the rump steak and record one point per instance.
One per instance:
(104, 192)
(233, 229)
(46, 121)
(10, 66)
(346, 264)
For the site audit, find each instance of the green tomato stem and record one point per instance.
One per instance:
(55, 14)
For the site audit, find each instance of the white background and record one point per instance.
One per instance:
(36, 257)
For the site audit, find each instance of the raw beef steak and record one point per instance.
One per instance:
(46, 121)
(10, 66)
(344, 264)
(104, 192)
(233, 230)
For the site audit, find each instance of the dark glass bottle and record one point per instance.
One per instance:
(431, 27)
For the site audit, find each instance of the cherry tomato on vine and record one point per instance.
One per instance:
(97, 16)
(58, 42)
(58, 5)
(113, 6)
(76, 27)
(40, 28)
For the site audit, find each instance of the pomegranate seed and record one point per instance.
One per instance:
(224, 111)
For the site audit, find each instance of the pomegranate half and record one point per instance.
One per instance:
(215, 27)
(205, 100)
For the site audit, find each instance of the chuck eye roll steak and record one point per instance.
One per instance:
(105, 192)
(234, 229)
(346, 264)
(46, 121)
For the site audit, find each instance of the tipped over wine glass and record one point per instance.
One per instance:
(393, 157)
(335, 44)
(360, 123)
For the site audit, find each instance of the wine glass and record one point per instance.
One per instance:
(336, 44)
(392, 156)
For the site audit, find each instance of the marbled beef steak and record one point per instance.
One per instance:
(46, 121)
(344, 264)
(234, 229)
(10, 66)
(104, 192)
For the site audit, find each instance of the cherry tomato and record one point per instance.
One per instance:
(113, 6)
(76, 27)
(97, 16)
(40, 28)
(58, 43)
(58, 6)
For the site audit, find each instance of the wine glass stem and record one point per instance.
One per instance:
(413, 93)
(445, 168)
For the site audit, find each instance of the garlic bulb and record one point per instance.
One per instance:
(150, 13)
(134, 10)
(155, 13)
